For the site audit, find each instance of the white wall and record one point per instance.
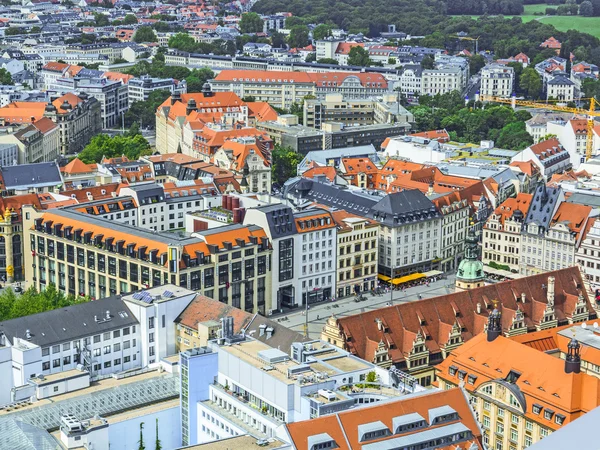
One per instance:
(6, 380)
(126, 434)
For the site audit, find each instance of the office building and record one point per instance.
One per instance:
(497, 80)
(138, 89)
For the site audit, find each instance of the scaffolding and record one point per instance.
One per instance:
(104, 403)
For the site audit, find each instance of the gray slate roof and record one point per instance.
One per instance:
(70, 323)
(25, 176)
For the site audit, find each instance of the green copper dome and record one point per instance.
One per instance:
(470, 268)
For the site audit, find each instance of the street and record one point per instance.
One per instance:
(348, 306)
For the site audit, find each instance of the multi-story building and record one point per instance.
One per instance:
(282, 89)
(537, 126)
(435, 419)
(227, 392)
(549, 156)
(116, 334)
(111, 94)
(138, 89)
(356, 253)
(247, 160)
(556, 246)
(409, 83)
(409, 223)
(497, 80)
(441, 81)
(455, 223)
(501, 235)
(561, 88)
(86, 255)
(520, 394)
(404, 336)
(78, 118)
(354, 113)
(572, 135)
(203, 143)
(588, 256)
(38, 142)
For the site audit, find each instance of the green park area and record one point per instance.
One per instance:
(590, 25)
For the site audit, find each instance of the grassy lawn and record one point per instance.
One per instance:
(590, 25)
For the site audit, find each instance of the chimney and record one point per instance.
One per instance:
(27, 334)
(494, 328)
(379, 324)
(478, 308)
(550, 294)
(261, 329)
(573, 360)
(430, 190)
(269, 332)
(107, 314)
(522, 297)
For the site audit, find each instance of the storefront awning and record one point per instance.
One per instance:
(406, 278)
(432, 273)
(383, 277)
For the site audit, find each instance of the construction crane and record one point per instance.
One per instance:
(466, 38)
(590, 113)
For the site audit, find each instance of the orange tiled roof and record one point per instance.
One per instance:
(262, 111)
(243, 233)
(441, 136)
(527, 167)
(521, 202)
(44, 125)
(343, 426)
(97, 192)
(574, 215)
(76, 166)
(547, 148)
(542, 378)
(328, 171)
(345, 47)
(240, 152)
(203, 309)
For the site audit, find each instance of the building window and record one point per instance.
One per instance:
(56, 363)
(151, 323)
(106, 349)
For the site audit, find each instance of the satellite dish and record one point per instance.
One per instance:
(584, 325)
(596, 325)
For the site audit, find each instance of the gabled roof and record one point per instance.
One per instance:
(76, 166)
(432, 317)
(519, 203)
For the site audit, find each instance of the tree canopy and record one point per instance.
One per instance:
(322, 31)
(103, 145)
(145, 34)
(285, 163)
(298, 36)
(33, 302)
(359, 56)
(144, 112)
(251, 23)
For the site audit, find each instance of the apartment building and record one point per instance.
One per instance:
(455, 211)
(34, 143)
(354, 113)
(356, 253)
(497, 80)
(561, 88)
(78, 118)
(410, 82)
(86, 255)
(282, 89)
(441, 81)
(138, 89)
(501, 237)
(556, 246)
(520, 395)
(588, 256)
(116, 334)
(248, 160)
(572, 135)
(549, 156)
(112, 95)
(402, 336)
(406, 245)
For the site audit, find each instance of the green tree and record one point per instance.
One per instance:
(103, 145)
(197, 79)
(292, 21)
(586, 9)
(428, 62)
(101, 20)
(141, 445)
(251, 23)
(327, 61)
(514, 136)
(285, 163)
(30, 302)
(183, 42)
(13, 31)
(130, 19)
(359, 56)
(476, 63)
(157, 445)
(298, 37)
(35, 30)
(5, 77)
(530, 83)
(161, 26)
(321, 31)
(145, 112)
(311, 57)
(144, 34)
(249, 99)
(277, 40)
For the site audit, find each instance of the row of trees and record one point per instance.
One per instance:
(33, 302)
(473, 123)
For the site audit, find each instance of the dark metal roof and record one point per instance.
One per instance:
(30, 175)
(70, 323)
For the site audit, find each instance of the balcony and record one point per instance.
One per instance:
(243, 403)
